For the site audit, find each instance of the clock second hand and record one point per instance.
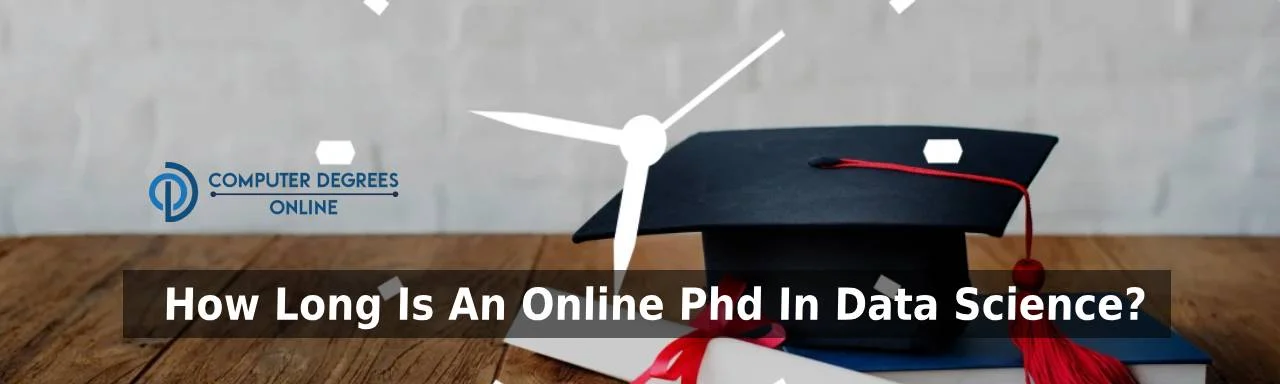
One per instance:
(724, 79)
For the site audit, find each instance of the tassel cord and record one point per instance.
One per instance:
(1048, 356)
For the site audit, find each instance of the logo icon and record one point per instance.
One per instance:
(162, 191)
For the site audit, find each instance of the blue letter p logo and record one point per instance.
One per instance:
(186, 190)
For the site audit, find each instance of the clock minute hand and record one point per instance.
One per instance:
(557, 126)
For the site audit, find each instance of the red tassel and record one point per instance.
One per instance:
(1048, 357)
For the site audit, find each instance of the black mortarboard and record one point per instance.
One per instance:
(765, 200)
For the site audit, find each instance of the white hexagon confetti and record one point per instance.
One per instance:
(901, 5)
(942, 151)
(377, 6)
(335, 152)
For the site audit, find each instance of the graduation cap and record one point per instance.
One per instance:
(861, 199)
(767, 200)
(775, 179)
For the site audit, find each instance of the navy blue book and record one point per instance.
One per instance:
(977, 358)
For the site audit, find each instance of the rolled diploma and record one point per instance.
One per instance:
(727, 361)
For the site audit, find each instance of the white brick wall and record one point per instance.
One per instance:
(1168, 110)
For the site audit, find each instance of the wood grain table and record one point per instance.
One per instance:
(61, 303)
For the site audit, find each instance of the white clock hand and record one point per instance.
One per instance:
(723, 79)
(624, 235)
(556, 126)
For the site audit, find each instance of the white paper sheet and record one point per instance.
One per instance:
(727, 361)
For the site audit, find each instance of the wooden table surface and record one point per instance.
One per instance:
(61, 311)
